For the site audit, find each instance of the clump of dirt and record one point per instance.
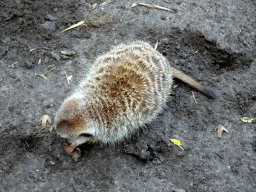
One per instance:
(97, 20)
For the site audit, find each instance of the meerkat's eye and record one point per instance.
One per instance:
(86, 135)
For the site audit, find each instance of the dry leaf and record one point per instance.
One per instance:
(44, 120)
(56, 55)
(94, 5)
(46, 59)
(52, 163)
(69, 149)
(76, 155)
(176, 85)
(67, 52)
(247, 119)
(51, 129)
(105, 3)
(220, 129)
(40, 61)
(176, 142)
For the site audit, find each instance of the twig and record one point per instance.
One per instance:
(43, 75)
(68, 77)
(38, 48)
(156, 45)
(27, 143)
(13, 65)
(194, 96)
(74, 26)
(150, 6)
(39, 62)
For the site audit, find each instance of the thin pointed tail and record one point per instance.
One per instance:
(183, 77)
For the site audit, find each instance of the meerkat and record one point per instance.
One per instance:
(125, 89)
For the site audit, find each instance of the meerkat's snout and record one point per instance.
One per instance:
(73, 124)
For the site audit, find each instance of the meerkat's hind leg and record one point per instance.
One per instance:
(183, 77)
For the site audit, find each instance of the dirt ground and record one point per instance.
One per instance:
(212, 41)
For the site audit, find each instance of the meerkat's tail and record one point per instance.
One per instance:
(183, 77)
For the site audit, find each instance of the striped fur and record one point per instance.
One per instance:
(125, 88)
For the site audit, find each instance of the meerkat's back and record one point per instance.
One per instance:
(134, 80)
(125, 88)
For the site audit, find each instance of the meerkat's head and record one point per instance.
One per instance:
(72, 122)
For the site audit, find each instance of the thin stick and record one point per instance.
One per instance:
(26, 143)
(74, 26)
(150, 6)
(194, 96)
(156, 45)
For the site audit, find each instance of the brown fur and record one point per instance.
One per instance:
(126, 88)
